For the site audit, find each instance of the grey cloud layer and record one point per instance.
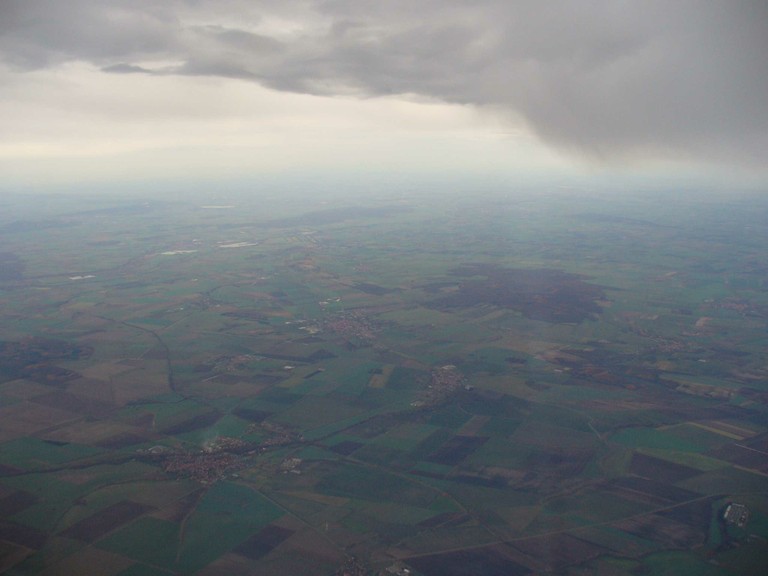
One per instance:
(603, 78)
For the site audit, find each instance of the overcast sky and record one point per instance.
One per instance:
(128, 90)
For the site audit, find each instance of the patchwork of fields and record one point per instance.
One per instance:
(525, 385)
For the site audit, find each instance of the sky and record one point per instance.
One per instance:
(116, 93)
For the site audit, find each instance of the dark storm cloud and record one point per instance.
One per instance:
(604, 78)
(40, 33)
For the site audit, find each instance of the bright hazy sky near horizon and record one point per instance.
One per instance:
(121, 91)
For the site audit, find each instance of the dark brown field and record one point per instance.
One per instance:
(264, 542)
(490, 561)
(105, 521)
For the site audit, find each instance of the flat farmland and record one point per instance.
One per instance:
(544, 384)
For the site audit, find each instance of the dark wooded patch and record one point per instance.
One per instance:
(540, 294)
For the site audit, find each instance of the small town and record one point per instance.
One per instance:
(444, 382)
(222, 456)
